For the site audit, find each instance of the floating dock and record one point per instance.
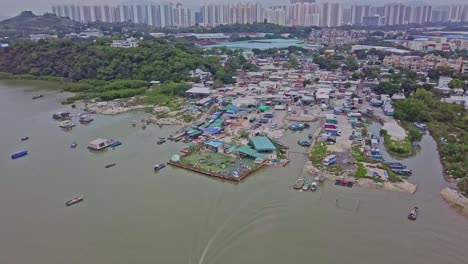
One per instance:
(215, 174)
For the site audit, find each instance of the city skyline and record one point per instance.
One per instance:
(330, 13)
(42, 6)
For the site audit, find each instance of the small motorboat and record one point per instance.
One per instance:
(37, 96)
(313, 186)
(306, 185)
(73, 145)
(116, 144)
(75, 200)
(24, 138)
(86, 119)
(159, 167)
(62, 116)
(404, 172)
(303, 143)
(344, 183)
(19, 154)
(395, 165)
(299, 183)
(66, 124)
(110, 165)
(161, 141)
(413, 214)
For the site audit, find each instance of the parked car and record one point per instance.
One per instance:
(303, 143)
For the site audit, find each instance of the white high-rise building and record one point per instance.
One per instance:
(331, 14)
(276, 15)
(420, 14)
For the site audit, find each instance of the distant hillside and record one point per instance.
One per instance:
(27, 23)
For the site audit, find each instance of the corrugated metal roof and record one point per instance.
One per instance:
(262, 143)
(247, 150)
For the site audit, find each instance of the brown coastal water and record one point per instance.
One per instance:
(132, 215)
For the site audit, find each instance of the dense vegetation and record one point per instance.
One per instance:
(448, 124)
(159, 60)
(99, 71)
(166, 94)
(397, 147)
(27, 23)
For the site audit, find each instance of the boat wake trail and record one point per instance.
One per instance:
(257, 221)
(231, 230)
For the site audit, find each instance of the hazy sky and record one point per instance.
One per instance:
(9, 8)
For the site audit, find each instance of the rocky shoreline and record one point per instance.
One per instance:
(404, 186)
(455, 199)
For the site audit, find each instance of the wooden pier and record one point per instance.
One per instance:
(215, 174)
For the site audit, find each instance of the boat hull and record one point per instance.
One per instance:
(19, 154)
(116, 144)
(159, 167)
(74, 201)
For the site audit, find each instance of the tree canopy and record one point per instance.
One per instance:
(158, 60)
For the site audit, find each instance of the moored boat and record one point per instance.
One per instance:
(75, 200)
(66, 124)
(100, 143)
(299, 183)
(404, 172)
(116, 144)
(61, 116)
(159, 167)
(395, 165)
(306, 185)
(110, 165)
(19, 154)
(413, 214)
(86, 119)
(37, 96)
(161, 141)
(344, 183)
(313, 186)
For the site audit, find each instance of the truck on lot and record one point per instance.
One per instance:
(329, 160)
(263, 120)
(333, 132)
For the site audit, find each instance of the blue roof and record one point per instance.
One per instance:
(212, 130)
(214, 143)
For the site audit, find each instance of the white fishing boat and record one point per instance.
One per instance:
(66, 124)
(100, 143)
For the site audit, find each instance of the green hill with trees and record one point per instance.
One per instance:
(96, 70)
(27, 23)
(158, 60)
